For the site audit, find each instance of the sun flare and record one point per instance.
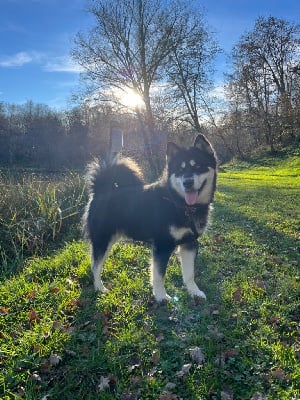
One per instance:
(131, 99)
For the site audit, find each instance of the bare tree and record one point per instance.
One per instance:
(131, 47)
(264, 63)
(189, 73)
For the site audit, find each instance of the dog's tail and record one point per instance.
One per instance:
(104, 176)
(107, 177)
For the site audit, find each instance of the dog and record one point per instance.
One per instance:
(170, 213)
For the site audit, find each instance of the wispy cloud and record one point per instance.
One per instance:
(16, 60)
(49, 63)
(62, 64)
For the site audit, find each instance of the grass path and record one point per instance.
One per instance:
(58, 340)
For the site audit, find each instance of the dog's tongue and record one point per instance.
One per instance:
(191, 198)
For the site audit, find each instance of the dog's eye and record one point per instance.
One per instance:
(200, 167)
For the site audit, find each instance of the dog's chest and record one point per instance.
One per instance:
(197, 219)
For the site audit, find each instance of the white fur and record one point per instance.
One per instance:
(157, 282)
(187, 260)
(179, 233)
(206, 192)
(97, 266)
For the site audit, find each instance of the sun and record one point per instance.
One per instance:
(130, 99)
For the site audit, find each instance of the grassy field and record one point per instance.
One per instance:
(58, 340)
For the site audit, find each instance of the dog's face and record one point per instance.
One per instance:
(192, 171)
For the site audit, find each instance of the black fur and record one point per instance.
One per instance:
(121, 205)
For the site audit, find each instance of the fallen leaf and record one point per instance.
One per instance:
(197, 355)
(104, 383)
(279, 373)
(230, 353)
(276, 260)
(168, 396)
(4, 310)
(72, 304)
(35, 377)
(54, 359)
(226, 394)
(237, 295)
(54, 290)
(170, 385)
(214, 333)
(258, 396)
(70, 353)
(133, 367)
(128, 396)
(33, 316)
(184, 370)
(160, 337)
(155, 357)
(31, 295)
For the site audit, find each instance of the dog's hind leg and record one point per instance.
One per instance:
(99, 254)
(160, 258)
(187, 254)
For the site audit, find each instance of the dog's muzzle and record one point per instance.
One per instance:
(188, 183)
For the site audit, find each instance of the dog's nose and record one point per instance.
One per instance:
(188, 182)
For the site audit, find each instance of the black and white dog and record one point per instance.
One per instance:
(169, 213)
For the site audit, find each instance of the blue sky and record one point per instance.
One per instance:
(36, 37)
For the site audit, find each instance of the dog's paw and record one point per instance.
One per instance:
(160, 297)
(194, 291)
(99, 287)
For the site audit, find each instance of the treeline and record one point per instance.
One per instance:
(260, 105)
(34, 135)
(263, 88)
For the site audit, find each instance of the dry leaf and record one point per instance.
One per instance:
(104, 383)
(170, 385)
(35, 377)
(70, 353)
(184, 370)
(279, 373)
(230, 353)
(168, 396)
(258, 396)
(31, 295)
(4, 310)
(197, 355)
(133, 367)
(238, 295)
(54, 359)
(155, 357)
(226, 394)
(33, 316)
(128, 396)
(54, 290)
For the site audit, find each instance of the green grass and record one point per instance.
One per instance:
(59, 340)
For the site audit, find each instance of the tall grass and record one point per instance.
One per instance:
(37, 213)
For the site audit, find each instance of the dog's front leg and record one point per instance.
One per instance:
(160, 258)
(187, 254)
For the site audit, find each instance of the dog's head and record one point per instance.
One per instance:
(192, 171)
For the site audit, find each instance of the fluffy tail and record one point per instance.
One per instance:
(106, 176)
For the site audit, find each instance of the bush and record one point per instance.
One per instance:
(37, 212)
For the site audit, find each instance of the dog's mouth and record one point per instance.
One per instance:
(191, 196)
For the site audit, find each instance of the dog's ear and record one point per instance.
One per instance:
(203, 144)
(172, 150)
